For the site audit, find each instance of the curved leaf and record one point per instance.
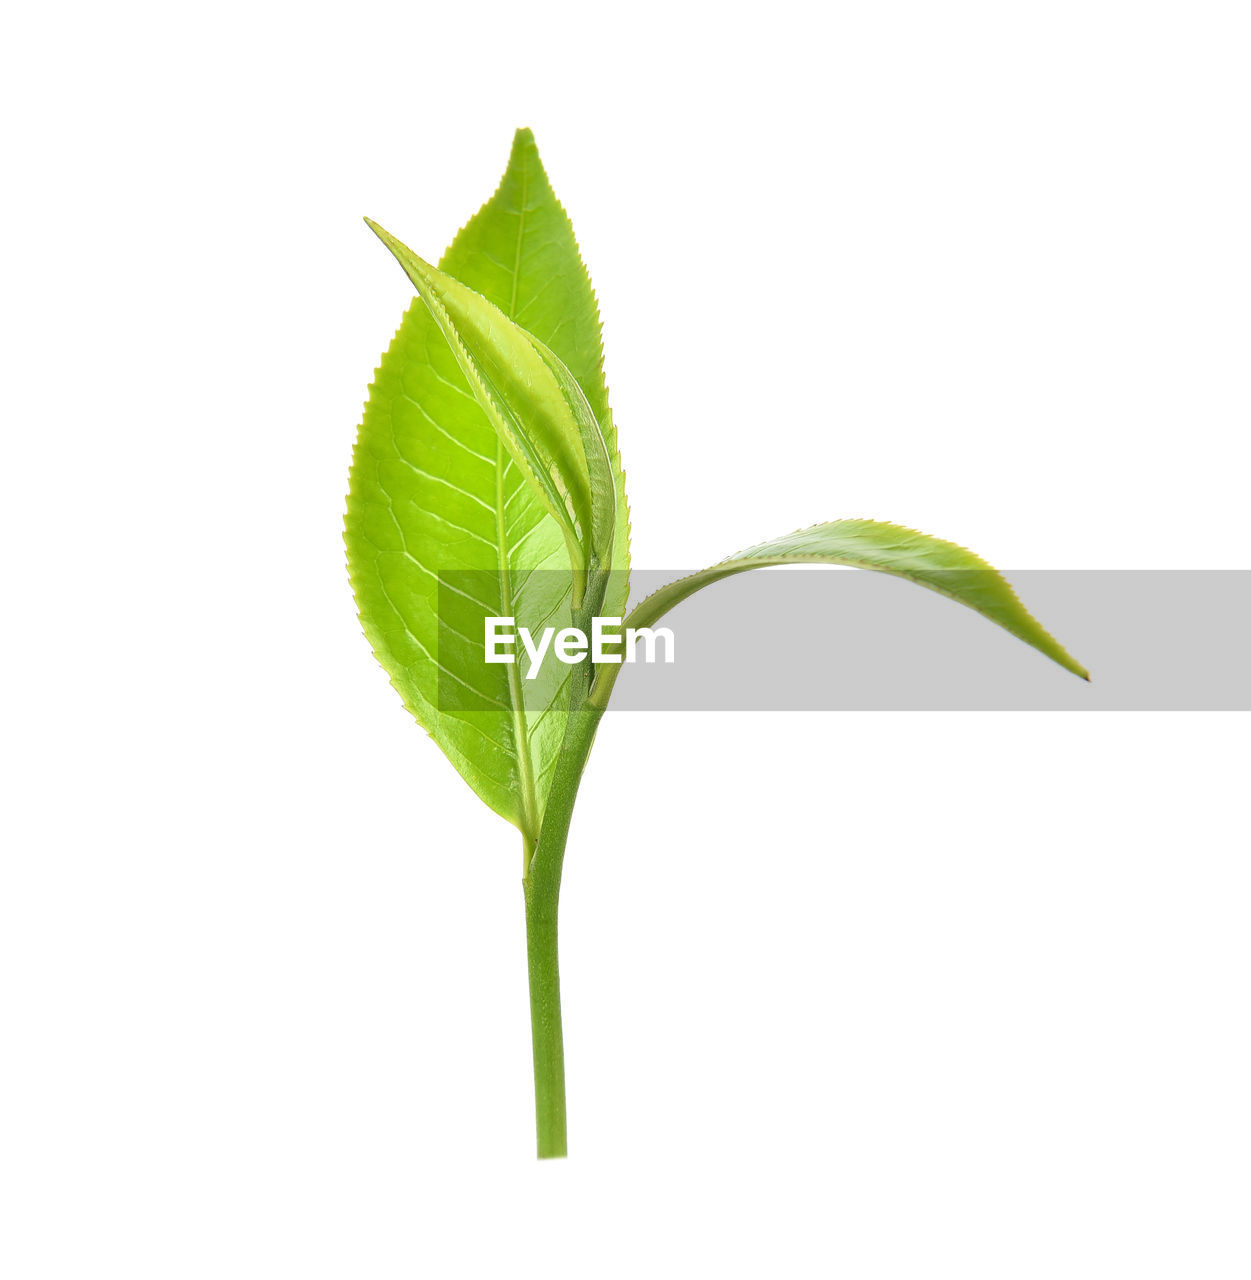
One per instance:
(951, 570)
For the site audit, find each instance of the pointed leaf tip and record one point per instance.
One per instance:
(523, 154)
(398, 249)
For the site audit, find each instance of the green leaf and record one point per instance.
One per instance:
(940, 566)
(534, 403)
(519, 251)
(433, 489)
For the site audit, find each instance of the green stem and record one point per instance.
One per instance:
(542, 887)
(542, 894)
(545, 1029)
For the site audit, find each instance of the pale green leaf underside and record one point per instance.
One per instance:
(433, 489)
(940, 566)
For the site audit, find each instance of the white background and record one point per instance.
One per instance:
(857, 996)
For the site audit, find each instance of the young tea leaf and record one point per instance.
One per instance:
(433, 489)
(940, 566)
